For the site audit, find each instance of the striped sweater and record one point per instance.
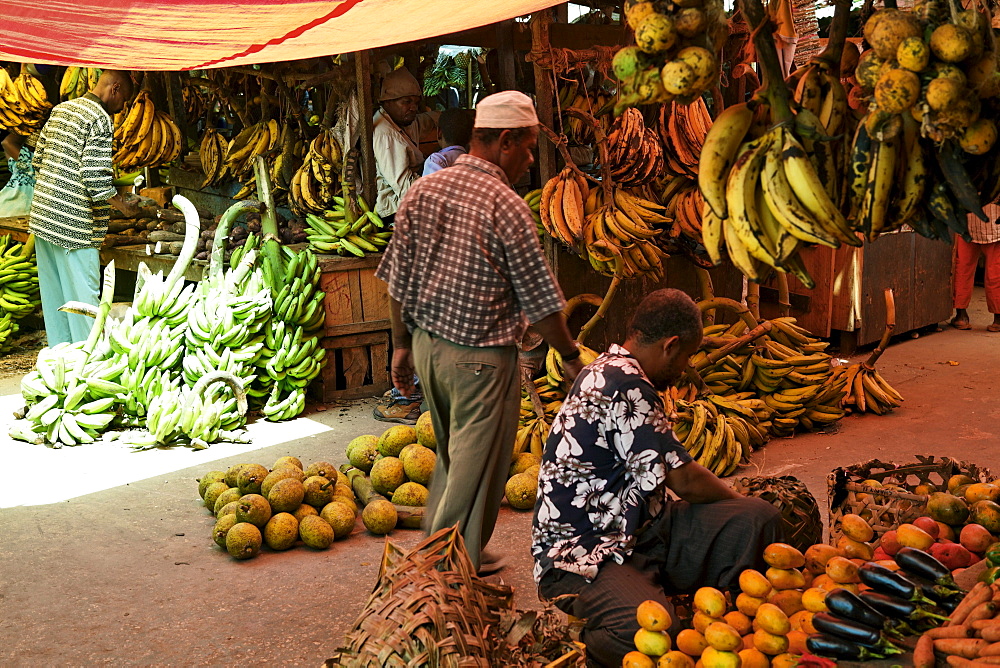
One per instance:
(73, 175)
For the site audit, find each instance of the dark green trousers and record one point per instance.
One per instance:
(474, 399)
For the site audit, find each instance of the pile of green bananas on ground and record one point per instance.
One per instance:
(19, 294)
(340, 231)
(198, 415)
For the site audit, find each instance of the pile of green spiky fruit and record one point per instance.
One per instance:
(674, 57)
(278, 507)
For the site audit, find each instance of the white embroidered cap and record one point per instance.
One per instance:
(507, 109)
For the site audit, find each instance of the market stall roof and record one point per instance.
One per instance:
(198, 34)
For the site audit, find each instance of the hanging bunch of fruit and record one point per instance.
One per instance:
(24, 105)
(764, 198)
(19, 295)
(675, 52)
(314, 183)
(255, 140)
(211, 153)
(682, 130)
(635, 155)
(145, 136)
(924, 153)
(340, 230)
(78, 81)
(573, 96)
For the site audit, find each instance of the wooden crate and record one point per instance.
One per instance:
(356, 331)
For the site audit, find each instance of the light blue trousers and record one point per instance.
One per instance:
(66, 275)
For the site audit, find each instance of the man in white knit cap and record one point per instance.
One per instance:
(466, 275)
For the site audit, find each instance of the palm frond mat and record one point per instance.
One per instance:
(429, 608)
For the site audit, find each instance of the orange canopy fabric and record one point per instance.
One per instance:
(195, 34)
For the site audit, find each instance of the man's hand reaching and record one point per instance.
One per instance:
(402, 371)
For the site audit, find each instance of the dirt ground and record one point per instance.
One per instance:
(106, 556)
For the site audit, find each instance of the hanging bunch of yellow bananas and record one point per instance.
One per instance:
(314, 184)
(285, 162)
(764, 198)
(257, 139)
(589, 101)
(635, 155)
(561, 206)
(683, 205)
(683, 129)
(619, 234)
(554, 367)
(24, 105)
(77, 81)
(145, 136)
(211, 153)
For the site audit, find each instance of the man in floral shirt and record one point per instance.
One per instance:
(605, 530)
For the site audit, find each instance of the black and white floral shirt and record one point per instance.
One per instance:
(603, 473)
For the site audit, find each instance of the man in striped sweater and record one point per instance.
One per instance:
(69, 211)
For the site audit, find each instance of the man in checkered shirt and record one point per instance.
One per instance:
(465, 275)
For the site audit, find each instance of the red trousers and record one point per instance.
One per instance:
(966, 260)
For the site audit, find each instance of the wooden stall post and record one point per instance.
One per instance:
(505, 50)
(363, 72)
(544, 93)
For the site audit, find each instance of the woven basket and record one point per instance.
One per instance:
(799, 509)
(429, 608)
(889, 508)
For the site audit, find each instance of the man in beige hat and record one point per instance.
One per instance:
(398, 131)
(466, 275)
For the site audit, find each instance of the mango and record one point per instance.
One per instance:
(956, 481)
(797, 642)
(700, 622)
(802, 621)
(772, 619)
(856, 528)
(691, 642)
(754, 658)
(723, 637)
(710, 601)
(738, 621)
(889, 563)
(854, 549)
(928, 525)
(945, 532)
(785, 578)
(652, 616)
(817, 555)
(789, 600)
(824, 582)
(982, 491)
(842, 570)
(636, 659)
(952, 555)
(890, 543)
(814, 600)
(748, 605)
(651, 643)
(675, 659)
(925, 488)
(975, 538)
(787, 660)
(783, 556)
(769, 643)
(753, 583)
(987, 514)
(713, 658)
(913, 536)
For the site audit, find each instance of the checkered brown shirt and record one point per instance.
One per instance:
(985, 233)
(464, 261)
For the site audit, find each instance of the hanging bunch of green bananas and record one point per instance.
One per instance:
(314, 183)
(19, 294)
(721, 432)
(534, 200)
(77, 81)
(24, 105)
(292, 355)
(340, 231)
(196, 416)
